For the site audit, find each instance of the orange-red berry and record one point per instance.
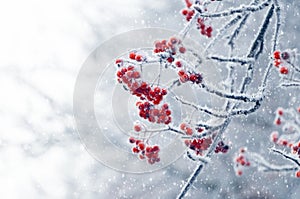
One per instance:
(182, 49)
(276, 54)
(132, 55)
(297, 174)
(138, 58)
(284, 70)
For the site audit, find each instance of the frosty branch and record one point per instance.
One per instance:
(202, 130)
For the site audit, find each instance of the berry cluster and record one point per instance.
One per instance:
(286, 118)
(134, 56)
(150, 96)
(198, 145)
(129, 76)
(204, 30)
(279, 59)
(279, 114)
(186, 128)
(189, 12)
(193, 77)
(221, 147)
(160, 115)
(280, 141)
(155, 95)
(145, 151)
(171, 47)
(241, 161)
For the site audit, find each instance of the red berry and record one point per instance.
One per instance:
(278, 121)
(297, 174)
(209, 30)
(155, 148)
(200, 130)
(184, 11)
(165, 106)
(280, 112)
(274, 136)
(119, 74)
(178, 64)
(182, 126)
(157, 90)
(284, 70)
(137, 127)
(164, 91)
(168, 112)
(182, 49)
(156, 102)
(131, 140)
(170, 59)
(135, 150)
(139, 58)
(242, 150)
(184, 78)
(276, 54)
(141, 146)
(132, 55)
(239, 172)
(284, 142)
(189, 131)
(118, 61)
(148, 149)
(188, 3)
(136, 75)
(193, 78)
(181, 72)
(285, 55)
(276, 63)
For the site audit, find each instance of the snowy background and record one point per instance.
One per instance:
(42, 47)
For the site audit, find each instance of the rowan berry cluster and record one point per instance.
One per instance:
(137, 57)
(144, 151)
(280, 58)
(189, 12)
(151, 97)
(288, 119)
(154, 114)
(155, 95)
(241, 161)
(186, 128)
(199, 145)
(204, 30)
(167, 49)
(129, 76)
(193, 77)
(221, 147)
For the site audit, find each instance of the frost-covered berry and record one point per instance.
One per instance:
(297, 174)
(137, 127)
(132, 55)
(284, 70)
(276, 54)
